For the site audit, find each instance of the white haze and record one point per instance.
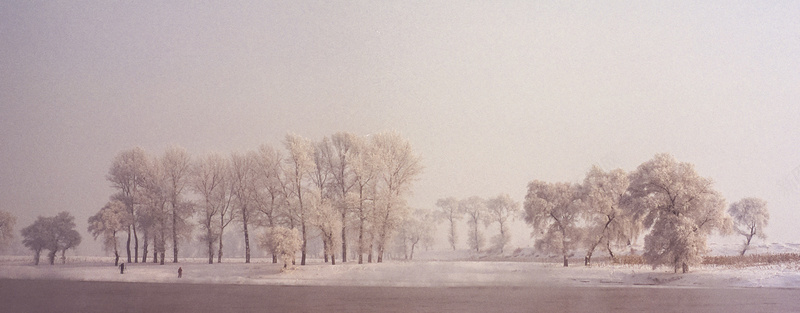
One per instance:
(491, 94)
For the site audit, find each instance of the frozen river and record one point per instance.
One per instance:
(77, 296)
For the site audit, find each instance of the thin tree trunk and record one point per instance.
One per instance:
(36, 255)
(128, 244)
(174, 234)
(135, 246)
(344, 239)
(303, 249)
(246, 237)
(210, 250)
(219, 250)
(746, 244)
(155, 249)
(144, 247)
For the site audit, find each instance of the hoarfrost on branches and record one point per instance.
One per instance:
(750, 216)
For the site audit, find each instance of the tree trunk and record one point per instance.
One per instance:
(611, 253)
(63, 257)
(144, 247)
(116, 258)
(566, 261)
(246, 237)
(51, 257)
(36, 255)
(685, 268)
(746, 244)
(361, 242)
(210, 249)
(274, 258)
(155, 250)
(412, 251)
(333, 259)
(162, 257)
(219, 250)
(344, 240)
(369, 254)
(174, 234)
(325, 248)
(128, 244)
(305, 242)
(135, 245)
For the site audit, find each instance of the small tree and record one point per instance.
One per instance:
(418, 228)
(112, 218)
(37, 236)
(553, 210)
(448, 210)
(750, 216)
(475, 209)
(501, 209)
(608, 220)
(284, 241)
(7, 222)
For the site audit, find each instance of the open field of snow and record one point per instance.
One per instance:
(439, 269)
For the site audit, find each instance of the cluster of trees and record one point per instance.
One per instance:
(56, 233)
(663, 197)
(501, 210)
(341, 186)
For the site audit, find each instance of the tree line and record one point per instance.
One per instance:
(667, 199)
(342, 185)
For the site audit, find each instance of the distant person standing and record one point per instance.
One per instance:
(122, 268)
(180, 272)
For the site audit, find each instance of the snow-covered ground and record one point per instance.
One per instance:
(458, 268)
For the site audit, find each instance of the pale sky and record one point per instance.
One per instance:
(492, 94)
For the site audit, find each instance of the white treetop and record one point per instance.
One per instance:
(680, 208)
(750, 216)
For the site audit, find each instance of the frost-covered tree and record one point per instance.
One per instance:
(127, 174)
(327, 219)
(449, 211)
(110, 220)
(299, 164)
(285, 241)
(320, 179)
(243, 180)
(418, 228)
(365, 172)
(208, 180)
(609, 221)
(475, 209)
(750, 216)
(7, 222)
(176, 163)
(344, 152)
(501, 210)
(680, 208)
(153, 210)
(398, 168)
(271, 197)
(553, 209)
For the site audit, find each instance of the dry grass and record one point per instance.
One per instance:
(630, 260)
(739, 261)
(752, 259)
